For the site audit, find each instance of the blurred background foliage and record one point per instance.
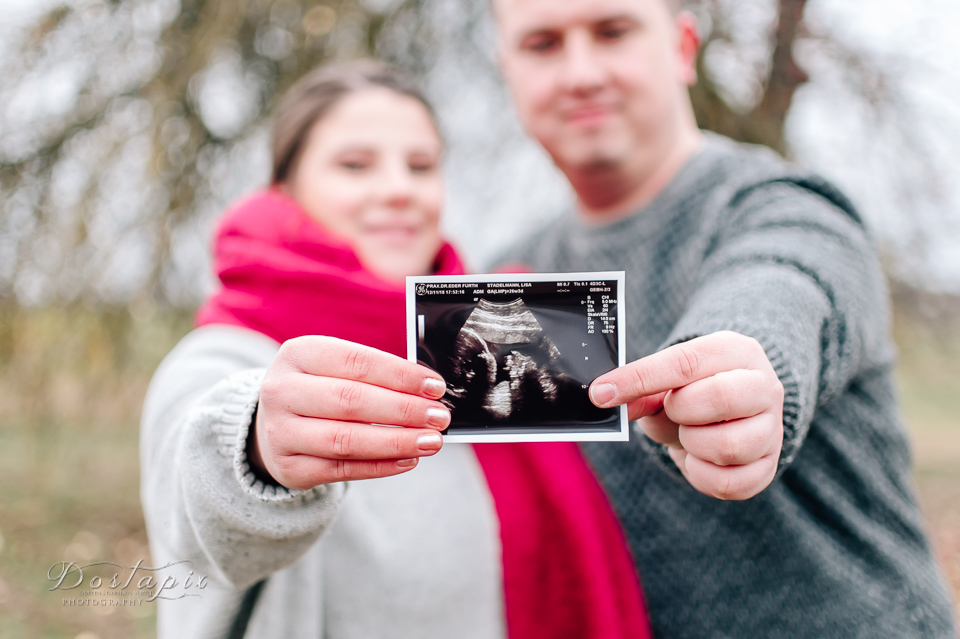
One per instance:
(127, 125)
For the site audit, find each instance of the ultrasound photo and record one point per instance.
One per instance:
(518, 352)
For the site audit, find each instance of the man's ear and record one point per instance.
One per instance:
(688, 42)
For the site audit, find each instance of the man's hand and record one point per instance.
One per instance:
(715, 401)
(320, 402)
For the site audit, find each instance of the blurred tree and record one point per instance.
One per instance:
(763, 121)
(119, 115)
(125, 121)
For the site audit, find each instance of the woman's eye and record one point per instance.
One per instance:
(353, 165)
(422, 167)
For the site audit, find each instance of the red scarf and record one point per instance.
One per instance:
(567, 571)
(284, 275)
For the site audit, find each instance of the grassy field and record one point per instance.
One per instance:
(72, 382)
(929, 376)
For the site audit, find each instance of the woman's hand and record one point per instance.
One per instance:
(320, 401)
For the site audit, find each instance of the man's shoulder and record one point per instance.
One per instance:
(733, 162)
(740, 170)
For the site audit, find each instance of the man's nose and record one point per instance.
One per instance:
(583, 70)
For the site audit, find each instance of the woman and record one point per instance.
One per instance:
(259, 423)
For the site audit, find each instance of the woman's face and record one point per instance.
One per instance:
(370, 174)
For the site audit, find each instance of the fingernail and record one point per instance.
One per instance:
(430, 441)
(603, 394)
(434, 387)
(407, 463)
(439, 417)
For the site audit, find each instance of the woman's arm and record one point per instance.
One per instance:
(202, 500)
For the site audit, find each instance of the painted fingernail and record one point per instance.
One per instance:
(430, 441)
(434, 387)
(407, 463)
(603, 394)
(439, 417)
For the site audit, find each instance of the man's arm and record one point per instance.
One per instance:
(790, 303)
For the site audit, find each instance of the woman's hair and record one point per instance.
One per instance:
(316, 93)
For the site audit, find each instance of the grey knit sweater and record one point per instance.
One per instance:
(836, 546)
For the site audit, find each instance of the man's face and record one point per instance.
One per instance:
(600, 83)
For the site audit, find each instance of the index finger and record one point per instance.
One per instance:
(331, 357)
(675, 367)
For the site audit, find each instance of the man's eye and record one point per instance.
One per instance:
(613, 31)
(541, 44)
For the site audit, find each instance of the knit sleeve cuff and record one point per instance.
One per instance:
(232, 431)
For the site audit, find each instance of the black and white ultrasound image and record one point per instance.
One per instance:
(521, 360)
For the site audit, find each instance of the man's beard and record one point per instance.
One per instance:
(595, 157)
(598, 165)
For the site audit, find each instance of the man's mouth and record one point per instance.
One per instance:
(588, 115)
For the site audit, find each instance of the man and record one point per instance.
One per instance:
(757, 322)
